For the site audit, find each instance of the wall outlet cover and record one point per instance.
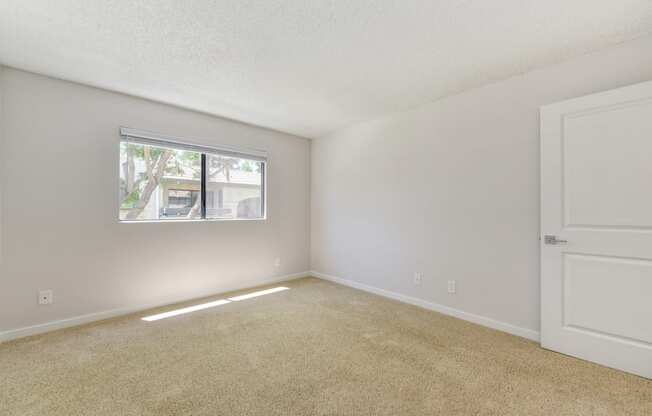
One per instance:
(417, 278)
(45, 297)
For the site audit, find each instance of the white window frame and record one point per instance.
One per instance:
(144, 137)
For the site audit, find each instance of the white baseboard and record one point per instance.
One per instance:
(446, 310)
(98, 316)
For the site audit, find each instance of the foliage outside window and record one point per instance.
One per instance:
(168, 183)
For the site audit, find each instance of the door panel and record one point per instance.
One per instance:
(606, 164)
(596, 193)
(589, 281)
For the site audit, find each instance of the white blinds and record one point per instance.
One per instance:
(161, 140)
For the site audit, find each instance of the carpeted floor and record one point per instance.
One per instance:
(316, 349)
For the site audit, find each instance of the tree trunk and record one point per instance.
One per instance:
(196, 208)
(153, 179)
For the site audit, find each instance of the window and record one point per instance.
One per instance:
(161, 179)
(235, 186)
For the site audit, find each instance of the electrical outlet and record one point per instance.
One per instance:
(45, 297)
(277, 262)
(417, 278)
(452, 286)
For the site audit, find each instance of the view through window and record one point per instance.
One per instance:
(161, 182)
(233, 187)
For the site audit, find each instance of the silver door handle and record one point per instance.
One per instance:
(553, 240)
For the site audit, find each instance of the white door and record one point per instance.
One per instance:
(596, 194)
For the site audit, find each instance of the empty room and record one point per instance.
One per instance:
(296, 207)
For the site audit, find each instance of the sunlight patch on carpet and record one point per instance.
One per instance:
(212, 304)
(259, 293)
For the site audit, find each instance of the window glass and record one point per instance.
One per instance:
(158, 183)
(234, 187)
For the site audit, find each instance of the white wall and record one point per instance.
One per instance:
(2, 165)
(451, 189)
(60, 188)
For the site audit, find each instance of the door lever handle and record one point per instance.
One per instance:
(553, 240)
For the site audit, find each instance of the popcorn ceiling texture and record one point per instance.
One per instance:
(316, 349)
(305, 67)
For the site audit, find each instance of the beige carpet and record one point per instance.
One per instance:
(316, 349)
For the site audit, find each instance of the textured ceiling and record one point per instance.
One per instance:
(305, 66)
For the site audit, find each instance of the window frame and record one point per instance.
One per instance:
(142, 137)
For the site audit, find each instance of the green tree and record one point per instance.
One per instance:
(138, 190)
